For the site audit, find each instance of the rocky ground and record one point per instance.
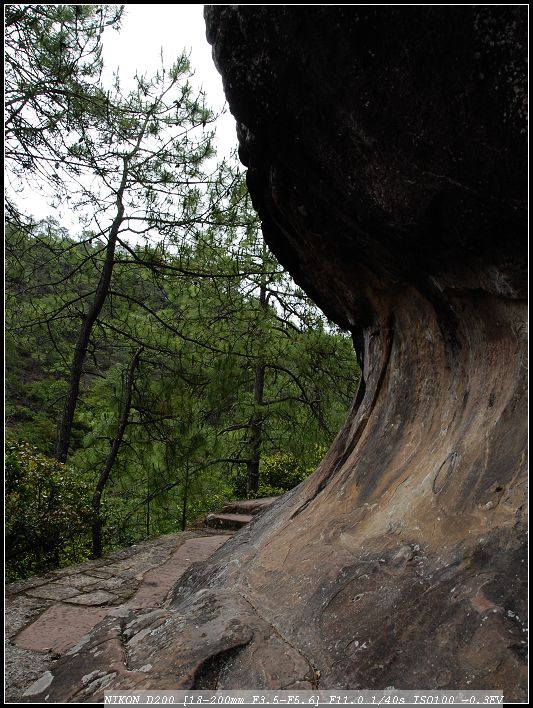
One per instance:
(46, 616)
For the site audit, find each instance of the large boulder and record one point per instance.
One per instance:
(386, 155)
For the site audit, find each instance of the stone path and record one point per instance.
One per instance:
(45, 616)
(158, 582)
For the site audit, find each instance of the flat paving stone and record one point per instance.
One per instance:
(53, 591)
(114, 583)
(23, 585)
(158, 581)
(22, 667)
(60, 627)
(126, 590)
(98, 597)
(20, 611)
(103, 573)
(48, 615)
(80, 581)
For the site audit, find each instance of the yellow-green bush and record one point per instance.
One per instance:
(283, 471)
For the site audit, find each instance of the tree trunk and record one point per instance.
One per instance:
(84, 335)
(185, 495)
(255, 433)
(256, 422)
(97, 524)
(148, 504)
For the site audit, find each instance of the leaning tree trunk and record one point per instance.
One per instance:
(386, 156)
(88, 322)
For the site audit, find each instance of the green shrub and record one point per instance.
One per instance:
(48, 513)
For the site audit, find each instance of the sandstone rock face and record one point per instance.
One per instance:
(386, 156)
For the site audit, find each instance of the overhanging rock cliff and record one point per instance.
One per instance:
(386, 155)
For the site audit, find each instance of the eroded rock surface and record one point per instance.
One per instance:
(386, 156)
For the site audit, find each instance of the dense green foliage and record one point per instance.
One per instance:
(188, 431)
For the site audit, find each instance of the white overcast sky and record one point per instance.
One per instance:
(146, 29)
(174, 28)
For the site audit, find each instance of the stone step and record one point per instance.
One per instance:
(249, 506)
(228, 521)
